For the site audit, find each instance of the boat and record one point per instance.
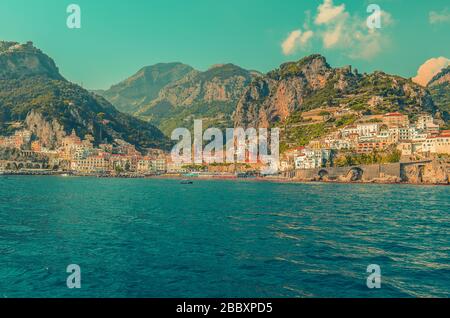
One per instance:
(186, 182)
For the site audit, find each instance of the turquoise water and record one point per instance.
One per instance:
(158, 238)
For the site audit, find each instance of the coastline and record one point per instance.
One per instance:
(213, 178)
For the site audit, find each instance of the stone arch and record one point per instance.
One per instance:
(20, 165)
(355, 174)
(37, 166)
(323, 174)
(29, 165)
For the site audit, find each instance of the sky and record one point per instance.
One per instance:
(117, 38)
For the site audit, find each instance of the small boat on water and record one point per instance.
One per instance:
(186, 182)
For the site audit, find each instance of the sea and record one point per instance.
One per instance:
(139, 238)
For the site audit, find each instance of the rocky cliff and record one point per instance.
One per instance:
(227, 95)
(221, 83)
(137, 91)
(34, 94)
(439, 88)
(435, 172)
(24, 60)
(49, 132)
(311, 83)
(211, 95)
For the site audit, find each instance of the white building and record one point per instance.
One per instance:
(419, 135)
(368, 129)
(349, 130)
(144, 165)
(423, 121)
(338, 144)
(426, 123)
(432, 129)
(159, 165)
(437, 145)
(394, 135)
(313, 158)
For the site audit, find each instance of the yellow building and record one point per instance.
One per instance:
(93, 164)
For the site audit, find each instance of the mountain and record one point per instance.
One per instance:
(439, 87)
(211, 95)
(143, 87)
(312, 83)
(33, 94)
(24, 60)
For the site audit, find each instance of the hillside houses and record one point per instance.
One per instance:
(374, 133)
(81, 156)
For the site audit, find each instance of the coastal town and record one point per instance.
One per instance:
(374, 139)
(394, 132)
(80, 156)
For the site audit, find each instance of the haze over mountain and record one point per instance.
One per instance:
(211, 95)
(33, 94)
(143, 87)
(227, 95)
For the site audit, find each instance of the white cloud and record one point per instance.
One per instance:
(439, 17)
(306, 36)
(331, 37)
(429, 69)
(351, 35)
(290, 43)
(295, 40)
(337, 29)
(327, 12)
(387, 19)
(367, 45)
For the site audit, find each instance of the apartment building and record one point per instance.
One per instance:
(313, 158)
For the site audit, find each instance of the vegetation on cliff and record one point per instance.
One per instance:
(142, 88)
(211, 95)
(439, 88)
(36, 89)
(347, 159)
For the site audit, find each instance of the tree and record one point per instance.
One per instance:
(100, 117)
(118, 169)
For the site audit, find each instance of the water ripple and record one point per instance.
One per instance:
(157, 238)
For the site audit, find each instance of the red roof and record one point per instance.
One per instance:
(439, 136)
(393, 115)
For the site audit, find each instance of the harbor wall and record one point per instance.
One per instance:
(360, 172)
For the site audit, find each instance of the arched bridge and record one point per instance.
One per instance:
(353, 173)
(21, 165)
